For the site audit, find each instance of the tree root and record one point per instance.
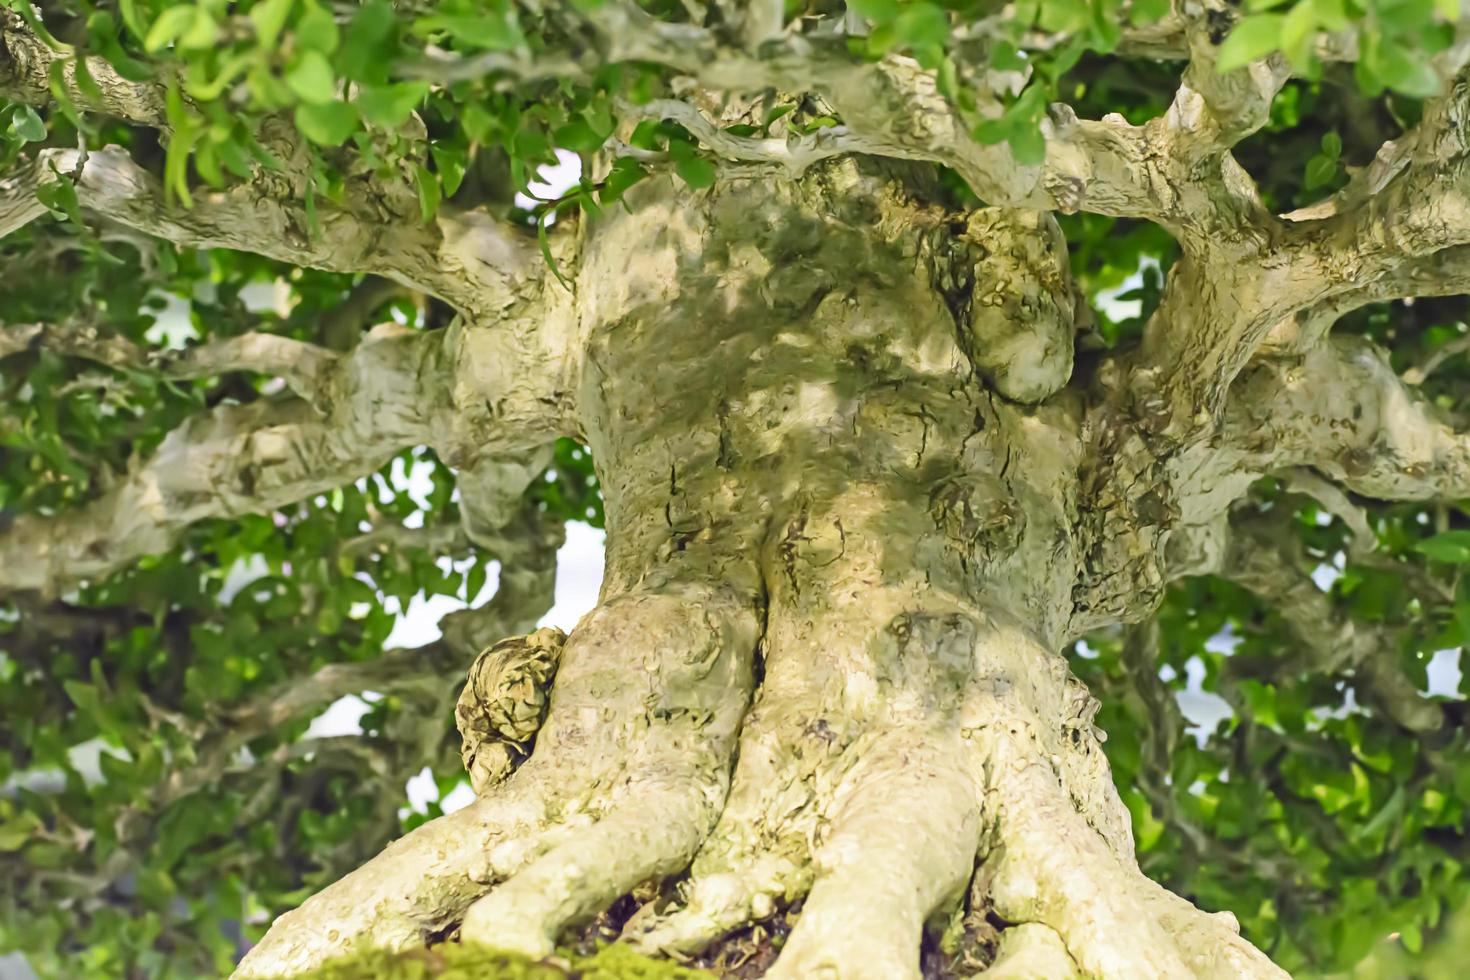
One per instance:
(627, 777)
(872, 776)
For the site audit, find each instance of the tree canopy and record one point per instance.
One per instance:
(1328, 804)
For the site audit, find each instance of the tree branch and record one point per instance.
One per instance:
(469, 259)
(1342, 410)
(891, 108)
(1266, 559)
(306, 368)
(236, 459)
(525, 594)
(794, 154)
(1380, 233)
(27, 63)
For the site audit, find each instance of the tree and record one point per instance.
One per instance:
(906, 505)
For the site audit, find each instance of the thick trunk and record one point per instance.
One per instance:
(842, 486)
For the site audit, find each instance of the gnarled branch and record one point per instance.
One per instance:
(240, 459)
(27, 63)
(1267, 559)
(1342, 410)
(304, 367)
(471, 260)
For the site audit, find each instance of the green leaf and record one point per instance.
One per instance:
(491, 30)
(1320, 172)
(695, 171)
(1404, 71)
(390, 106)
(545, 242)
(317, 29)
(1452, 547)
(1256, 36)
(449, 161)
(27, 125)
(1028, 145)
(327, 124)
(877, 11)
(269, 18)
(311, 78)
(775, 113)
(202, 33)
(1298, 31)
(428, 185)
(134, 23)
(169, 27)
(15, 832)
(1144, 12)
(367, 49)
(922, 24)
(624, 174)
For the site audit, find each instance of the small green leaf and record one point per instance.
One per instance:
(1320, 172)
(495, 31)
(317, 29)
(203, 32)
(545, 242)
(1252, 39)
(922, 24)
(1143, 12)
(877, 11)
(774, 114)
(269, 18)
(311, 78)
(428, 191)
(1028, 145)
(327, 124)
(624, 174)
(169, 27)
(367, 48)
(450, 161)
(389, 106)
(1452, 547)
(27, 125)
(695, 171)
(1298, 31)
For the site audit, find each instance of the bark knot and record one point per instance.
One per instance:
(504, 702)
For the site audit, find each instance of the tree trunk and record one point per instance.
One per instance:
(845, 524)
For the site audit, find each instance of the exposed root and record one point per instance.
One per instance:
(902, 841)
(417, 885)
(1117, 924)
(877, 823)
(1031, 951)
(628, 776)
(653, 836)
(873, 772)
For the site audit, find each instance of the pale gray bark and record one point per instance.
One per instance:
(479, 265)
(25, 76)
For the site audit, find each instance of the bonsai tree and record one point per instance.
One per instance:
(970, 385)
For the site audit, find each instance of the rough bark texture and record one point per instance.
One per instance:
(840, 568)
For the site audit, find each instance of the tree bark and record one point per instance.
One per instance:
(845, 508)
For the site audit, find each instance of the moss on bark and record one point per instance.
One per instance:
(454, 961)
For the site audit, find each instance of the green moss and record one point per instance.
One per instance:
(453, 961)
